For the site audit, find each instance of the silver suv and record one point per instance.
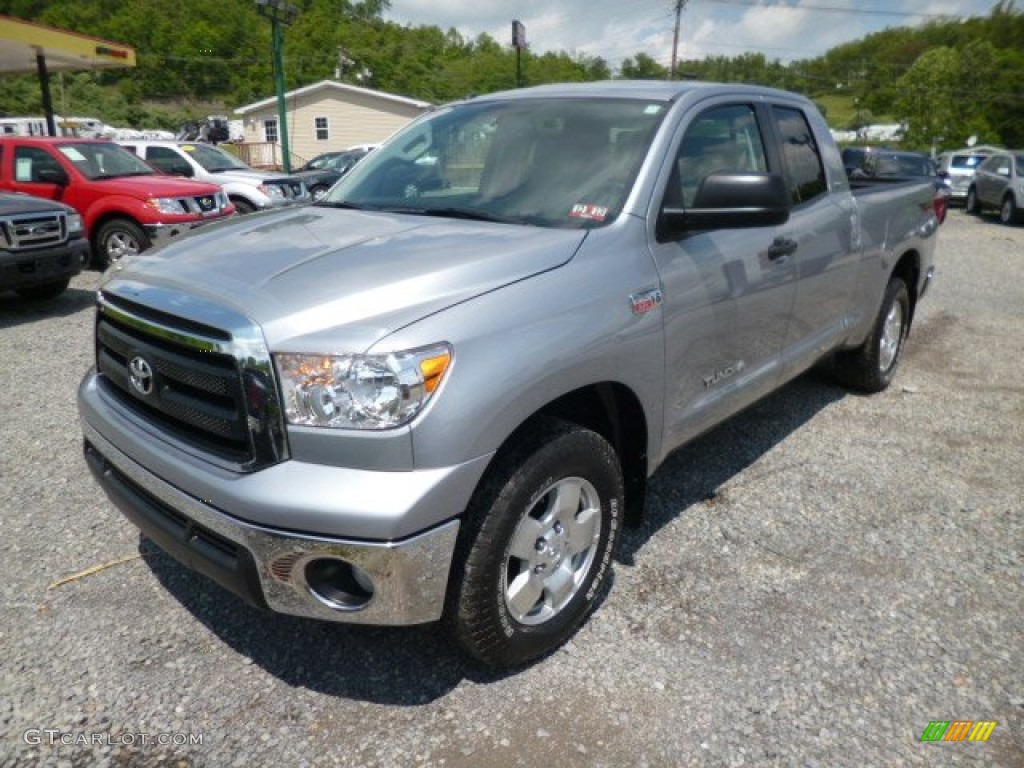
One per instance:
(958, 167)
(999, 183)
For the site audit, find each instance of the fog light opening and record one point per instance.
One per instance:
(338, 584)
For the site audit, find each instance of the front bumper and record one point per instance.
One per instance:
(162, 233)
(270, 568)
(25, 269)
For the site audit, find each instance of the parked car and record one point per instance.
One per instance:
(249, 189)
(42, 246)
(958, 167)
(126, 205)
(322, 171)
(892, 165)
(440, 391)
(999, 183)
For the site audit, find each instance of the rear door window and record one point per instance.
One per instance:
(805, 173)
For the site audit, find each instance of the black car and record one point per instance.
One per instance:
(882, 164)
(322, 171)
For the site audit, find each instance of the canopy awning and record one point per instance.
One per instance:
(21, 42)
(27, 47)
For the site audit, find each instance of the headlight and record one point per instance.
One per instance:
(272, 191)
(166, 205)
(74, 224)
(360, 391)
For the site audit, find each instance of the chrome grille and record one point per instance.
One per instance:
(200, 385)
(35, 230)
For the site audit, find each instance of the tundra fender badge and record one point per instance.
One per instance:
(645, 301)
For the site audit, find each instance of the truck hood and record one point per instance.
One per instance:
(253, 178)
(18, 204)
(157, 185)
(321, 279)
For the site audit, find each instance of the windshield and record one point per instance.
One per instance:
(550, 162)
(102, 160)
(214, 159)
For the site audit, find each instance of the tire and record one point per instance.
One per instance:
(317, 191)
(971, 203)
(872, 366)
(116, 239)
(1008, 211)
(44, 291)
(243, 206)
(537, 544)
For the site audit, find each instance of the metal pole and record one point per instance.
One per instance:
(282, 112)
(44, 86)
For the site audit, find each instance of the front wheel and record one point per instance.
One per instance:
(536, 548)
(116, 239)
(243, 206)
(872, 366)
(971, 204)
(1008, 211)
(317, 191)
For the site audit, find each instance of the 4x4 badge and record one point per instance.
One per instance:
(141, 376)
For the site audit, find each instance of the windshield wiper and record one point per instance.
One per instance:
(102, 176)
(469, 214)
(346, 206)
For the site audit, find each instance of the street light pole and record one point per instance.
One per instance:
(280, 13)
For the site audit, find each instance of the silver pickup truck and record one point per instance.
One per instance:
(439, 392)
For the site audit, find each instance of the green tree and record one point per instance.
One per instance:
(927, 98)
(642, 67)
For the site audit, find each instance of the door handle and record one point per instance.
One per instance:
(782, 247)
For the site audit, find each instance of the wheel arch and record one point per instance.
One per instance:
(908, 269)
(613, 411)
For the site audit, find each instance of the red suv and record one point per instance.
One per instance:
(127, 205)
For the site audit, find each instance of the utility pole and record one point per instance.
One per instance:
(280, 13)
(680, 4)
(519, 43)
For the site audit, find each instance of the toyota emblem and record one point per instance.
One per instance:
(141, 376)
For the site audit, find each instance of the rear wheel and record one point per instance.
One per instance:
(116, 239)
(872, 366)
(537, 544)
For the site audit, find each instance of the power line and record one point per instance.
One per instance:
(833, 9)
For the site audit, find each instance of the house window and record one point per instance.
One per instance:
(270, 130)
(320, 123)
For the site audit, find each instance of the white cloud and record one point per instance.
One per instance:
(616, 29)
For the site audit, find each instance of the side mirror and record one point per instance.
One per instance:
(52, 176)
(730, 201)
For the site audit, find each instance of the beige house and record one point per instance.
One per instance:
(323, 117)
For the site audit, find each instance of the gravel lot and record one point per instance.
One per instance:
(816, 581)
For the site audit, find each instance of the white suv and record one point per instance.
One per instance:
(249, 189)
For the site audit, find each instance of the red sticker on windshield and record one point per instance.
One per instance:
(588, 211)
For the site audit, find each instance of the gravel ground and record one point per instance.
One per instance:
(816, 581)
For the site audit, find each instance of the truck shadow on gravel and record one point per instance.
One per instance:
(694, 473)
(412, 666)
(15, 310)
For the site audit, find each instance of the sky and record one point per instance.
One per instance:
(786, 30)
